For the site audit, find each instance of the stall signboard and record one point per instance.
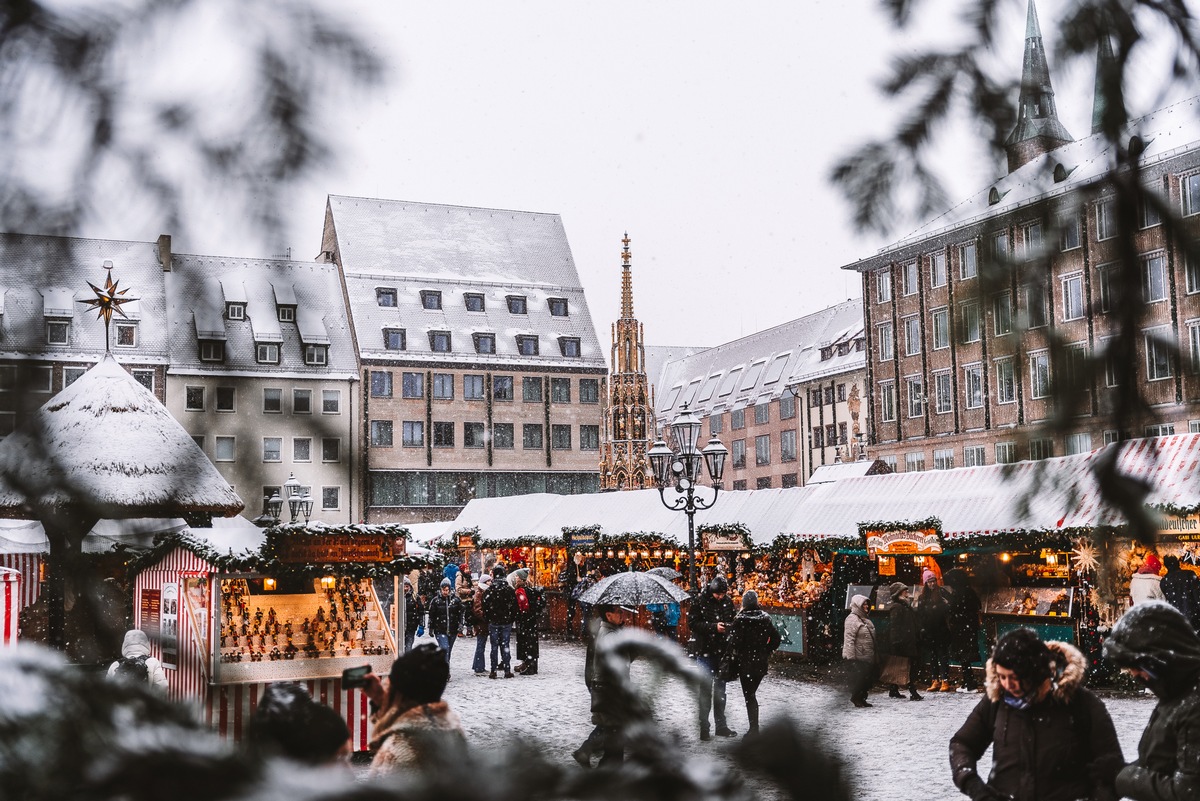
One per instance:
(1182, 529)
(466, 541)
(722, 540)
(318, 548)
(902, 541)
(151, 603)
(582, 539)
(169, 625)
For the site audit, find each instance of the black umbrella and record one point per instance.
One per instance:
(633, 589)
(669, 573)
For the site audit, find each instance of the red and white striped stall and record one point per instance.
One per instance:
(10, 605)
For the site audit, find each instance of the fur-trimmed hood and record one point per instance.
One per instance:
(1070, 671)
(417, 737)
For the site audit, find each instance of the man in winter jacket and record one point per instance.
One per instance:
(479, 621)
(568, 579)
(445, 617)
(136, 661)
(1155, 643)
(500, 610)
(1181, 589)
(710, 621)
(858, 648)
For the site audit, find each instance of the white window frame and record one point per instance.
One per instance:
(1191, 272)
(187, 401)
(1079, 442)
(337, 499)
(1156, 346)
(232, 407)
(943, 393)
(940, 326)
(278, 449)
(968, 260)
(1039, 374)
(1041, 448)
(887, 342)
(125, 326)
(973, 385)
(914, 462)
(974, 456)
(1189, 194)
(883, 286)
(970, 311)
(324, 442)
(266, 352)
(1193, 327)
(916, 399)
(1106, 227)
(1106, 274)
(1006, 452)
(1068, 232)
(1006, 374)
(943, 459)
(296, 456)
(1073, 305)
(910, 278)
(334, 395)
(938, 275)
(1155, 287)
(912, 337)
(887, 401)
(265, 409)
(1002, 310)
(53, 327)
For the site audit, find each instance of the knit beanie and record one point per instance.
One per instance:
(1152, 565)
(928, 576)
(749, 600)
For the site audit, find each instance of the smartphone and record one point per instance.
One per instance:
(355, 677)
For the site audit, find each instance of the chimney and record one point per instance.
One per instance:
(164, 252)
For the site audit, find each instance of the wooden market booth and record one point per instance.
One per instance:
(10, 605)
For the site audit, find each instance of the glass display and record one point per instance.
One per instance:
(1036, 601)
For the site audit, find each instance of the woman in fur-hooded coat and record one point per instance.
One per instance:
(1051, 738)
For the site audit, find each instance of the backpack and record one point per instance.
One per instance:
(133, 669)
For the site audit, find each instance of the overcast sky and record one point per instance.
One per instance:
(706, 130)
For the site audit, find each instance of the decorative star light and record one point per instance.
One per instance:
(1084, 556)
(107, 300)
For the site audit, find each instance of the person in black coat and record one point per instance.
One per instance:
(710, 620)
(445, 617)
(903, 630)
(753, 639)
(414, 613)
(529, 612)
(1181, 588)
(933, 610)
(1156, 644)
(500, 610)
(964, 624)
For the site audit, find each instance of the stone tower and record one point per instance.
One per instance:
(630, 416)
(1038, 129)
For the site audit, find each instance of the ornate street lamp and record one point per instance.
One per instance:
(291, 491)
(681, 468)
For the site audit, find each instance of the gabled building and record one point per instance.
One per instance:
(264, 376)
(482, 373)
(784, 401)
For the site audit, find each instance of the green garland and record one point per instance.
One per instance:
(825, 546)
(740, 529)
(905, 525)
(457, 534)
(1172, 510)
(522, 542)
(654, 539)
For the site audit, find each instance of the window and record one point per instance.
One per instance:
(1002, 313)
(589, 438)
(381, 384)
(831, 435)
(484, 343)
(1006, 452)
(1042, 448)
(381, 433)
(331, 449)
(198, 439)
(225, 449)
(968, 266)
(412, 385)
(58, 332)
(1154, 278)
(443, 386)
(1107, 279)
(1189, 186)
(916, 397)
(527, 345)
(1000, 246)
(1074, 359)
(937, 269)
(272, 401)
(762, 450)
(943, 459)
(439, 341)
(473, 387)
(970, 322)
(560, 390)
(331, 401)
(589, 390)
(272, 449)
(973, 386)
(516, 304)
(286, 314)
(1032, 240)
(316, 354)
(212, 350)
(739, 485)
(560, 437)
(762, 482)
(818, 437)
(787, 445)
(385, 297)
(225, 399)
(974, 456)
(531, 390)
(1039, 375)
(145, 378)
(909, 279)
(1148, 215)
(887, 401)
(301, 400)
(1006, 385)
(72, 374)
(443, 435)
(787, 406)
(1035, 303)
(737, 419)
(941, 328)
(1191, 269)
(1105, 224)
(412, 433)
(1112, 375)
(887, 346)
(1073, 297)
(1194, 346)
(473, 301)
(883, 286)
(943, 394)
(1068, 232)
(126, 335)
(193, 399)
(394, 339)
(331, 498)
(1158, 355)
(473, 435)
(431, 299)
(569, 347)
(531, 436)
(558, 306)
(715, 423)
(1077, 443)
(266, 353)
(1160, 430)
(1193, 427)
(762, 413)
(914, 462)
(739, 453)
(301, 449)
(912, 336)
(502, 435)
(235, 311)
(788, 481)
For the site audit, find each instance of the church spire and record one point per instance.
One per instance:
(1107, 99)
(1038, 129)
(626, 280)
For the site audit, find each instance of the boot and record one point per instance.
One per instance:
(508, 674)
(520, 668)
(530, 668)
(492, 675)
(913, 695)
(947, 687)
(935, 686)
(895, 692)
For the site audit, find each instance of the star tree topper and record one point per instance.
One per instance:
(107, 300)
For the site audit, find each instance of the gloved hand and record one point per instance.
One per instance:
(978, 790)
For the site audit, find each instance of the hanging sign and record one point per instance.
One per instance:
(582, 539)
(1181, 529)
(318, 548)
(466, 541)
(722, 541)
(148, 619)
(902, 541)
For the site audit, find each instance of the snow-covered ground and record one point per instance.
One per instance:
(897, 749)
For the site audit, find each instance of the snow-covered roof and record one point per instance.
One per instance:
(828, 473)
(28, 536)
(105, 442)
(231, 535)
(759, 367)
(659, 356)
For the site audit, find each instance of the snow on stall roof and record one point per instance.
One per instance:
(426, 533)
(107, 443)
(28, 536)
(231, 535)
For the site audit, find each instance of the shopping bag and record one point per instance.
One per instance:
(895, 670)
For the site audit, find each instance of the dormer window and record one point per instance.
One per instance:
(843, 348)
(827, 353)
(558, 307)
(516, 304)
(431, 299)
(569, 346)
(474, 301)
(439, 341)
(485, 343)
(126, 335)
(267, 353)
(212, 350)
(235, 311)
(860, 345)
(385, 296)
(287, 314)
(394, 339)
(316, 355)
(58, 332)
(527, 345)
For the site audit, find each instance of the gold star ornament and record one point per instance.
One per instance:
(107, 300)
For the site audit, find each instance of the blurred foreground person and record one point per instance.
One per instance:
(1155, 643)
(136, 664)
(605, 739)
(1051, 738)
(858, 648)
(754, 638)
(289, 723)
(414, 729)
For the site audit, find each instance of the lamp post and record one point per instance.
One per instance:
(681, 468)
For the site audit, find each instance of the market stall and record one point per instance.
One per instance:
(10, 605)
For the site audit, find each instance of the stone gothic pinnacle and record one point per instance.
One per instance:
(1038, 129)
(626, 280)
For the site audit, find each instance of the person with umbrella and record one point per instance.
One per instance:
(711, 620)
(605, 739)
(665, 617)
